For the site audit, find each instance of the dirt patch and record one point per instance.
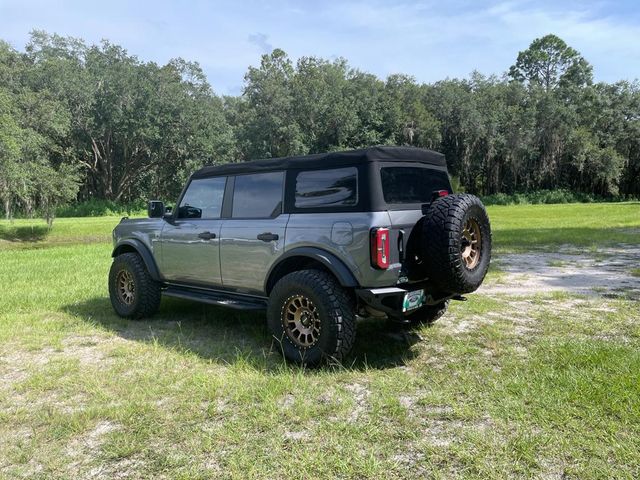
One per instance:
(605, 272)
(361, 396)
(296, 436)
(123, 468)
(91, 441)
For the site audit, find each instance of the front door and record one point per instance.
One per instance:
(191, 243)
(253, 238)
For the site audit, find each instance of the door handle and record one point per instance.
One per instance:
(268, 236)
(206, 235)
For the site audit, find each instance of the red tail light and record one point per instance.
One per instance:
(380, 248)
(441, 193)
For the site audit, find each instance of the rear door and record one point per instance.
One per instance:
(190, 243)
(252, 238)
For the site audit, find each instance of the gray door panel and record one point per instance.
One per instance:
(187, 256)
(245, 259)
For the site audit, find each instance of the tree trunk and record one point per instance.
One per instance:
(102, 168)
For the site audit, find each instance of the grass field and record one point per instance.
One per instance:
(545, 384)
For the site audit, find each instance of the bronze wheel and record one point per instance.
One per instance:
(311, 317)
(132, 290)
(126, 287)
(471, 244)
(301, 321)
(456, 243)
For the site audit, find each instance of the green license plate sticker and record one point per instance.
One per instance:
(413, 300)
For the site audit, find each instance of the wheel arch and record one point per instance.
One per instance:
(303, 258)
(132, 245)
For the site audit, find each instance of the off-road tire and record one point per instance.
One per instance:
(443, 243)
(147, 294)
(336, 315)
(428, 314)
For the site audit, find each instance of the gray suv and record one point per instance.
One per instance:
(315, 240)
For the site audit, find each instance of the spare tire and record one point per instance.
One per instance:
(456, 243)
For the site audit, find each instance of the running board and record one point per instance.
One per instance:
(239, 302)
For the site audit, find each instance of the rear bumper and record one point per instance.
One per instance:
(389, 300)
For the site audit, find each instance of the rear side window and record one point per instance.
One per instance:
(258, 195)
(327, 188)
(412, 184)
(203, 198)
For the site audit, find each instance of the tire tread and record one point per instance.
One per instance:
(338, 302)
(147, 289)
(442, 230)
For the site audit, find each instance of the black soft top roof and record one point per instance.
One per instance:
(331, 159)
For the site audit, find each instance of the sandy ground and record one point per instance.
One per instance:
(606, 272)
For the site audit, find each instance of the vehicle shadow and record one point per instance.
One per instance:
(31, 233)
(228, 336)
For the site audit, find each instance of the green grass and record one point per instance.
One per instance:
(515, 228)
(518, 228)
(25, 233)
(501, 387)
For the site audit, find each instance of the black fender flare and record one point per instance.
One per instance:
(126, 245)
(337, 267)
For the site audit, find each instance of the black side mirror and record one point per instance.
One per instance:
(156, 209)
(168, 215)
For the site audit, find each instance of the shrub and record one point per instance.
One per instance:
(544, 196)
(98, 208)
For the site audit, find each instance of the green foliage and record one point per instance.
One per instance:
(124, 130)
(549, 62)
(54, 187)
(538, 197)
(548, 197)
(270, 129)
(98, 207)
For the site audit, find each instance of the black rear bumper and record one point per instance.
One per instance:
(390, 299)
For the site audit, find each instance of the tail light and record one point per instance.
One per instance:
(380, 248)
(435, 195)
(440, 193)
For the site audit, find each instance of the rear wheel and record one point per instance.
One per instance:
(428, 314)
(133, 293)
(311, 317)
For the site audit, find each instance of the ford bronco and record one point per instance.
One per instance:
(314, 240)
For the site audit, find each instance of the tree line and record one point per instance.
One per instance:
(81, 122)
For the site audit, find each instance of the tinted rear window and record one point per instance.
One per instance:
(337, 187)
(258, 195)
(411, 184)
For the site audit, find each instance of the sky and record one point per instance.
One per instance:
(430, 40)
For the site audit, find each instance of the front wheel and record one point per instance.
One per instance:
(311, 317)
(133, 293)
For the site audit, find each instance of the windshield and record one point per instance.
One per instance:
(402, 185)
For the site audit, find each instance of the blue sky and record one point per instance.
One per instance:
(430, 40)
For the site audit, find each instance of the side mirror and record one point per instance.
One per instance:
(156, 209)
(168, 215)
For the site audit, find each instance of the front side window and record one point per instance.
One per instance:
(203, 198)
(327, 188)
(258, 195)
(412, 184)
